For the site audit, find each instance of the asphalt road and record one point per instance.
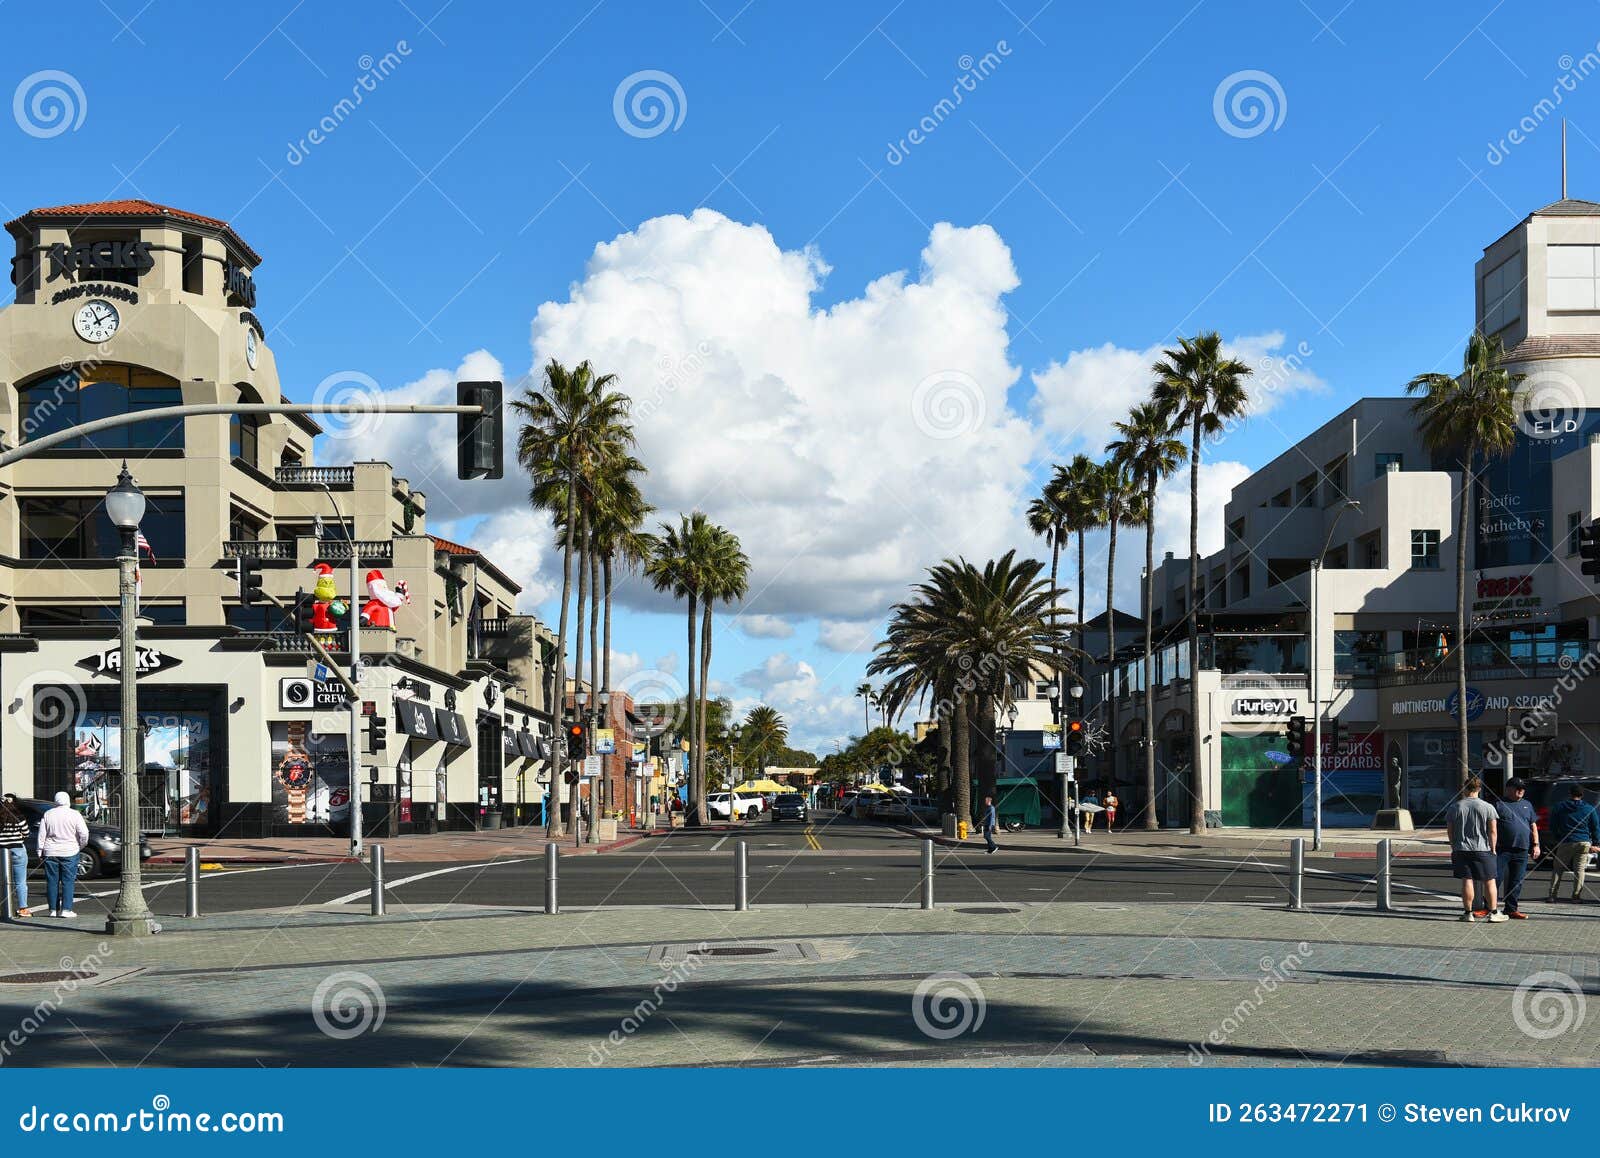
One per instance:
(832, 860)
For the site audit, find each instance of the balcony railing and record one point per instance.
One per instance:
(315, 476)
(376, 550)
(258, 549)
(1547, 659)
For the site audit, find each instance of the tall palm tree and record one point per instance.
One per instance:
(864, 690)
(569, 425)
(726, 571)
(1150, 453)
(765, 736)
(1201, 389)
(1467, 416)
(1119, 496)
(1077, 488)
(676, 567)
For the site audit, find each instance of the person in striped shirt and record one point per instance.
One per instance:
(14, 846)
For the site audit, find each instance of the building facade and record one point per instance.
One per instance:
(127, 306)
(1384, 631)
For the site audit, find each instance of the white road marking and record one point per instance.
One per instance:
(719, 844)
(388, 885)
(163, 883)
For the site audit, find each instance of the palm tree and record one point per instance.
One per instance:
(1200, 389)
(765, 736)
(568, 426)
(676, 567)
(1150, 453)
(1467, 416)
(967, 637)
(864, 690)
(725, 569)
(1077, 489)
(1119, 495)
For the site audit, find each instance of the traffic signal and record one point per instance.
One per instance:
(303, 600)
(480, 449)
(1334, 731)
(247, 574)
(377, 734)
(1589, 548)
(577, 741)
(1073, 733)
(1297, 737)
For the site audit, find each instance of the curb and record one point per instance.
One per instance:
(243, 860)
(1202, 849)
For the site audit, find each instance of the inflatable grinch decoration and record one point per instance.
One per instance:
(326, 605)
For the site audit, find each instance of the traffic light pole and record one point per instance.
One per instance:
(1316, 717)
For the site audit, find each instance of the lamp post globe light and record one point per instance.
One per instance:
(125, 506)
(1314, 676)
(597, 790)
(580, 700)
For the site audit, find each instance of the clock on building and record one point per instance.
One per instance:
(250, 352)
(96, 320)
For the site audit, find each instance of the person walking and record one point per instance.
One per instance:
(1574, 833)
(1518, 845)
(62, 835)
(1087, 808)
(1109, 802)
(1472, 824)
(14, 846)
(989, 823)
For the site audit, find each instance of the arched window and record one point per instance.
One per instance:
(243, 431)
(84, 393)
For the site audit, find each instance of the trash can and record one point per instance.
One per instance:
(947, 824)
(493, 818)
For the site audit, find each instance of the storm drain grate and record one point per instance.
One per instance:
(47, 977)
(988, 911)
(789, 951)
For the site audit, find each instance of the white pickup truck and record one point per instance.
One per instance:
(747, 806)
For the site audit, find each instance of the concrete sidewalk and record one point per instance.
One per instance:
(434, 848)
(1344, 843)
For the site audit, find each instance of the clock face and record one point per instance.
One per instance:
(96, 320)
(250, 352)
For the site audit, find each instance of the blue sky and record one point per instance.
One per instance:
(1097, 205)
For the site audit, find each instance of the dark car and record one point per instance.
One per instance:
(789, 806)
(102, 856)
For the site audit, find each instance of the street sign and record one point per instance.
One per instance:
(591, 767)
(1066, 765)
(320, 672)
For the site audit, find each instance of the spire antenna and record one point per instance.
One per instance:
(1563, 158)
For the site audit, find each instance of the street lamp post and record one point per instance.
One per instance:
(734, 735)
(1316, 679)
(597, 792)
(125, 505)
(580, 700)
(354, 757)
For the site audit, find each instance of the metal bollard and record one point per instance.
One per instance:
(191, 879)
(741, 877)
(552, 856)
(1297, 874)
(1385, 876)
(11, 893)
(927, 874)
(377, 880)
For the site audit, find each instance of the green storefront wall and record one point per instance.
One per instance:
(1256, 792)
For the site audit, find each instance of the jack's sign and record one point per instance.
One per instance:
(146, 662)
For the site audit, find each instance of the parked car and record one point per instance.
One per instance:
(894, 808)
(745, 806)
(790, 806)
(102, 856)
(845, 801)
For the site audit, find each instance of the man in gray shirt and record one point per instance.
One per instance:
(1474, 825)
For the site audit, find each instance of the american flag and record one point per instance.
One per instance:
(140, 543)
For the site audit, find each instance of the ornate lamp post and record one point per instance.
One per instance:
(597, 790)
(125, 505)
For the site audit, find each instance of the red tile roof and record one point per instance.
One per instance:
(135, 207)
(450, 548)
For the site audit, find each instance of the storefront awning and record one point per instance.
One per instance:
(529, 743)
(416, 720)
(452, 728)
(509, 746)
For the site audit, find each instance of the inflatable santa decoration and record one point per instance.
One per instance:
(378, 610)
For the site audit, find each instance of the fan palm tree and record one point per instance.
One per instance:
(967, 637)
(864, 690)
(726, 571)
(1150, 453)
(1201, 389)
(1472, 414)
(765, 735)
(569, 425)
(676, 567)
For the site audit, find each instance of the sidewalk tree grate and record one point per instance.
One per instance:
(47, 977)
(988, 910)
(793, 952)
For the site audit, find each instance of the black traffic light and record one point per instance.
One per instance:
(1335, 732)
(1589, 548)
(1297, 737)
(480, 449)
(1072, 736)
(248, 574)
(577, 741)
(303, 600)
(377, 734)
